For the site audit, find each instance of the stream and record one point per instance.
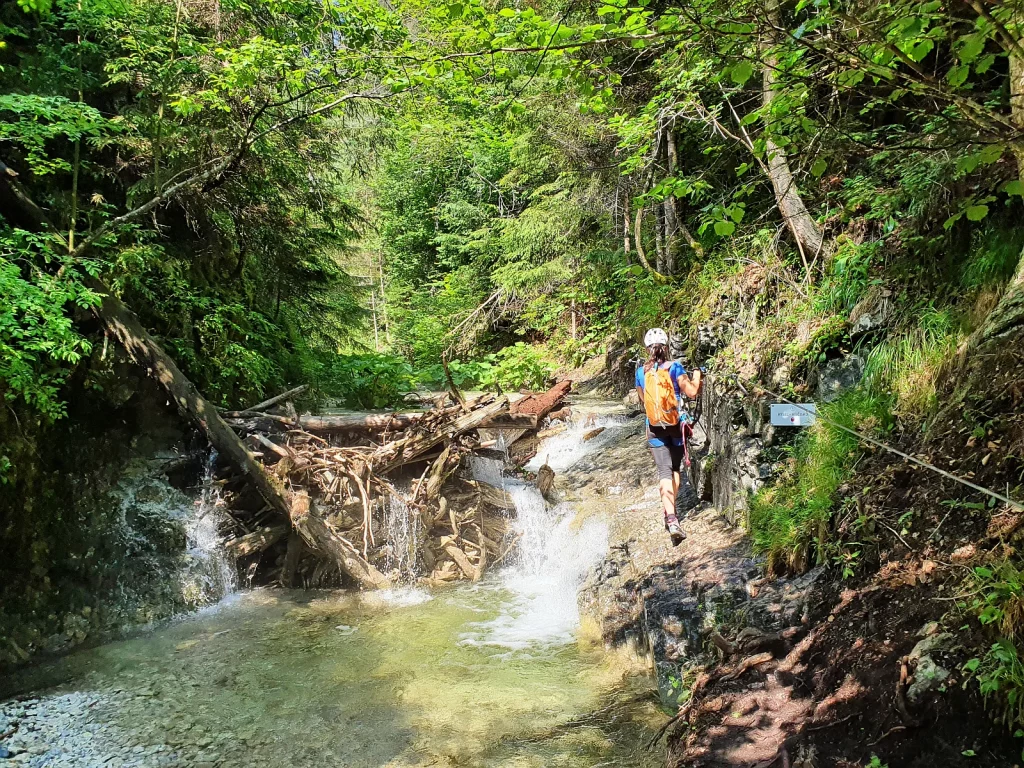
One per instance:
(497, 673)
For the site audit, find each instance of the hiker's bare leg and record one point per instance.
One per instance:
(667, 490)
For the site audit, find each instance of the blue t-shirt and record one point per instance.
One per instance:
(659, 436)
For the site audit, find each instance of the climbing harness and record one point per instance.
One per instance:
(879, 444)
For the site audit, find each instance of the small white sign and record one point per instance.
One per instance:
(786, 415)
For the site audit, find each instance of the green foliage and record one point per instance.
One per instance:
(993, 258)
(368, 380)
(785, 519)
(1000, 677)
(999, 673)
(908, 363)
(517, 366)
(38, 342)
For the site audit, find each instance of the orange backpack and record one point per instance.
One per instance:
(660, 398)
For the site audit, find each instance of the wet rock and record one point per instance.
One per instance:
(932, 644)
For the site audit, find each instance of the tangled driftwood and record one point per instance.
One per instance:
(343, 475)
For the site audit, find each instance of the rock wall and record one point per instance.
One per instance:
(91, 526)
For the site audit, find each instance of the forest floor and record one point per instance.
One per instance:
(822, 669)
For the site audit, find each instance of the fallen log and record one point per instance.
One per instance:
(320, 536)
(265, 404)
(124, 326)
(410, 447)
(376, 422)
(541, 404)
(459, 557)
(257, 541)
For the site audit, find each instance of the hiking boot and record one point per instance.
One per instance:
(675, 532)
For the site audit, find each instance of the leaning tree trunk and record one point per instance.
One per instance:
(805, 230)
(125, 326)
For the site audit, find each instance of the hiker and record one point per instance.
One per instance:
(661, 383)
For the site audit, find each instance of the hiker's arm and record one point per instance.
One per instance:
(690, 387)
(640, 394)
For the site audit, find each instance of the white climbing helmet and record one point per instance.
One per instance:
(655, 336)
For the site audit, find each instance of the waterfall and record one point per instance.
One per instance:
(169, 541)
(401, 530)
(208, 573)
(554, 554)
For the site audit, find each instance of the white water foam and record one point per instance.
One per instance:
(209, 574)
(562, 451)
(401, 529)
(554, 554)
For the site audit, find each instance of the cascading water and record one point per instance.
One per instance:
(401, 529)
(554, 550)
(154, 517)
(484, 674)
(209, 573)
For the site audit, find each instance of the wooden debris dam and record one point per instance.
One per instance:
(370, 499)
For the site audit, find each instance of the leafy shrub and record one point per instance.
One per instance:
(38, 341)
(368, 380)
(785, 519)
(999, 604)
(518, 366)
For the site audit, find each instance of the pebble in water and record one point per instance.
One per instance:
(66, 731)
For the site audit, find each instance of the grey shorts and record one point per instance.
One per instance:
(668, 459)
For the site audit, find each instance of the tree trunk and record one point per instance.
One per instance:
(627, 239)
(681, 229)
(805, 230)
(638, 238)
(1017, 98)
(659, 239)
(541, 404)
(122, 323)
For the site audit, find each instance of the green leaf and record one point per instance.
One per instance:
(741, 72)
(818, 168)
(958, 75)
(1015, 187)
(991, 153)
(920, 50)
(724, 228)
(948, 223)
(455, 10)
(985, 63)
(976, 212)
(971, 47)
(967, 163)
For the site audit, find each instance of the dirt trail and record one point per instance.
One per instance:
(811, 671)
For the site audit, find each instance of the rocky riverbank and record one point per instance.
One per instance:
(823, 667)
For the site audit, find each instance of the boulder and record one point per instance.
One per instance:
(838, 376)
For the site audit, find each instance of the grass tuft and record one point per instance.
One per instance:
(908, 365)
(792, 516)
